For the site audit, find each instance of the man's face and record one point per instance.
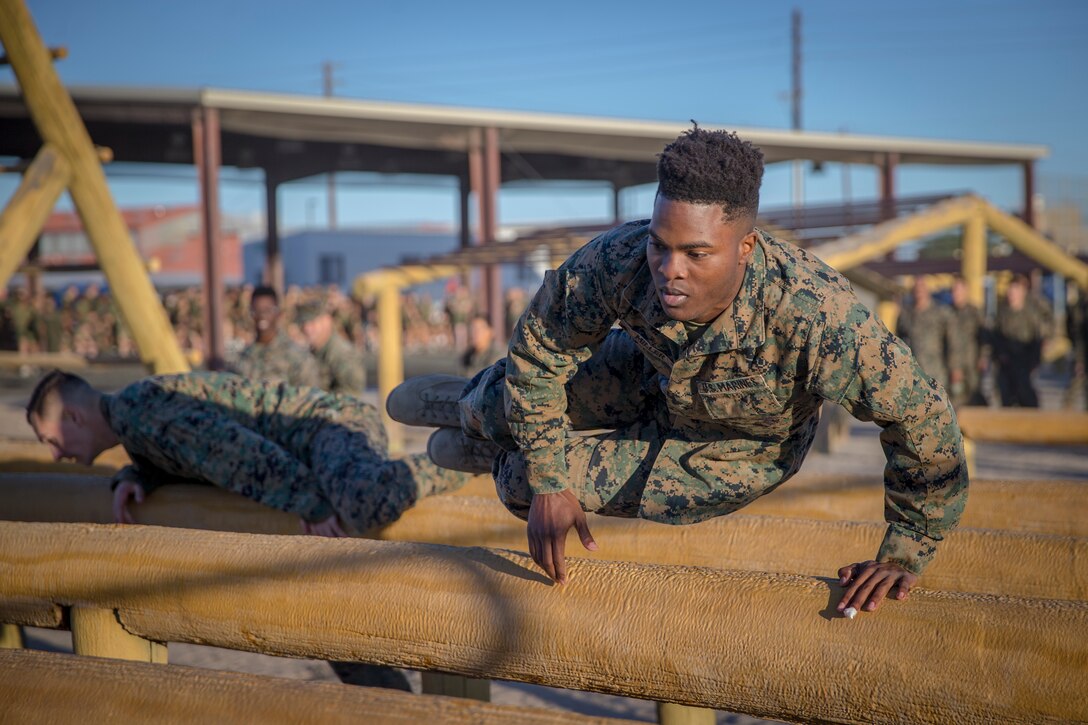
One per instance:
(265, 312)
(318, 330)
(697, 258)
(65, 430)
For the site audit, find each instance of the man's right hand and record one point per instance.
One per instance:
(551, 516)
(126, 490)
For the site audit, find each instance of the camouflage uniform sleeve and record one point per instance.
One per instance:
(348, 371)
(218, 449)
(566, 321)
(860, 365)
(148, 476)
(306, 373)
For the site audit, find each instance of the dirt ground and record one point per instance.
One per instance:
(859, 454)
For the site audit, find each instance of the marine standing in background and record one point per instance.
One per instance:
(340, 366)
(1021, 326)
(274, 357)
(924, 327)
(1076, 324)
(964, 348)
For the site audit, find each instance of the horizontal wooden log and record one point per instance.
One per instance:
(768, 645)
(31, 613)
(970, 560)
(1029, 426)
(1040, 507)
(50, 687)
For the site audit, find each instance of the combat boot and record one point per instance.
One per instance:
(427, 400)
(450, 448)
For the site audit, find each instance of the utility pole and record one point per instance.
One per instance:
(327, 70)
(795, 106)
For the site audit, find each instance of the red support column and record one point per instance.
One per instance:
(273, 263)
(1029, 193)
(206, 146)
(887, 186)
(496, 311)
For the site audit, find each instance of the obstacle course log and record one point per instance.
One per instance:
(1026, 426)
(1041, 507)
(99, 633)
(50, 687)
(768, 645)
(971, 560)
(31, 613)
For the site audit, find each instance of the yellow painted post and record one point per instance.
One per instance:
(390, 356)
(440, 683)
(59, 124)
(11, 636)
(888, 312)
(669, 713)
(973, 262)
(26, 212)
(98, 633)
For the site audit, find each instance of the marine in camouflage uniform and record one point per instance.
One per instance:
(1021, 325)
(299, 450)
(924, 326)
(965, 337)
(704, 419)
(281, 360)
(340, 366)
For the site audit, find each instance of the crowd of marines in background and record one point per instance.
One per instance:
(87, 322)
(953, 340)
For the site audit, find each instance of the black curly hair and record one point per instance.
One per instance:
(712, 167)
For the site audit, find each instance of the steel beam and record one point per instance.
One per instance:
(273, 262)
(206, 149)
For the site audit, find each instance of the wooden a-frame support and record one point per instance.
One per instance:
(69, 161)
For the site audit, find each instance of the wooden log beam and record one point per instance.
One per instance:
(767, 645)
(51, 687)
(971, 560)
(1028, 426)
(59, 124)
(1037, 507)
(22, 219)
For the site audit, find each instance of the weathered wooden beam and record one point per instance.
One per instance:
(59, 124)
(22, 219)
(98, 632)
(51, 687)
(768, 645)
(970, 560)
(1028, 426)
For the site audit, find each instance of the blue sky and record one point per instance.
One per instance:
(989, 71)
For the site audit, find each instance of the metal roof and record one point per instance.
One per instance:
(268, 129)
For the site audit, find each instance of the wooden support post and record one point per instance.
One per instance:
(489, 224)
(390, 357)
(21, 221)
(11, 636)
(887, 186)
(98, 633)
(59, 124)
(439, 683)
(1029, 194)
(973, 261)
(669, 713)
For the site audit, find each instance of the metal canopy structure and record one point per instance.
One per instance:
(266, 130)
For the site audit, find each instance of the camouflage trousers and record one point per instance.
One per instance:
(367, 489)
(627, 455)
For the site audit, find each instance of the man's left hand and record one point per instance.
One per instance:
(868, 582)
